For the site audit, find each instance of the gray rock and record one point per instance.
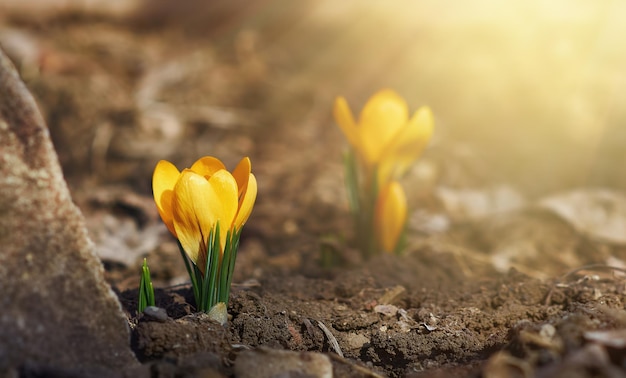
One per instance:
(56, 310)
(155, 313)
(269, 363)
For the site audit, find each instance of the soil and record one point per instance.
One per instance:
(120, 92)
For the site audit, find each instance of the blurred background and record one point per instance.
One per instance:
(525, 92)
(528, 96)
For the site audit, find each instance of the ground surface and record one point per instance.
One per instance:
(490, 284)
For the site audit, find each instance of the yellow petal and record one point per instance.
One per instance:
(163, 181)
(345, 120)
(382, 118)
(224, 201)
(391, 214)
(246, 202)
(194, 215)
(241, 174)
(207, 166)
(409, 144)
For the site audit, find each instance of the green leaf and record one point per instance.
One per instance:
(208, 284)
(231, 265)
(146, 290)
(213, 286)
(192, 271)
(228, 264)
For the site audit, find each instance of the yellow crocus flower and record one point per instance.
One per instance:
(384, 137)
(191, 202)
(390, 217)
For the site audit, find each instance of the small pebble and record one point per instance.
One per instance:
(155, 313)
(387, 310)
(219, 313)
(269, 363)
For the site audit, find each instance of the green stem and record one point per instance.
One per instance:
(228, 264)
(191, 271)
(368, 212)
(213, 286)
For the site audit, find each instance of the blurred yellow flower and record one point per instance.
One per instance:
(385, 138)
(192, 202)
(390, 217)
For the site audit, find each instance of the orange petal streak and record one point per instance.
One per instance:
(246, 203)
(163, 181)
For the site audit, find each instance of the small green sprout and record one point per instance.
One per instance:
(146, 291)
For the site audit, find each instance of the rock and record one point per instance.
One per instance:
(393, 295)
(598, 213)
(611, 338)
(154, 313)
(267, 363)
(57, 309)
(472, 204)
(219, 313)
(386, 310)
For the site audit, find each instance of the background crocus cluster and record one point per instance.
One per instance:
(384, 143)
(205, 208)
